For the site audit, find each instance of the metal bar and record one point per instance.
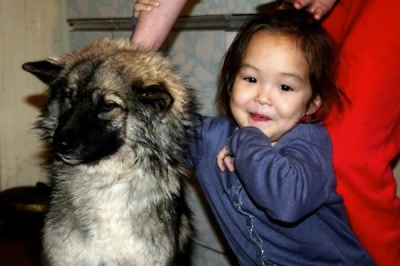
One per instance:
(207, 22)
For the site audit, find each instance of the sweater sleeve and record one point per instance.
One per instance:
(288, 181)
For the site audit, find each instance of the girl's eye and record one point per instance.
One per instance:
(285, 88)
(250, 80)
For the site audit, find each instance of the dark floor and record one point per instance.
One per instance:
(18, 247)
(21, 220)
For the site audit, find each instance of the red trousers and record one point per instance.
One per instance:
(367, 138)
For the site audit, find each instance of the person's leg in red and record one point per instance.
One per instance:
(367, 138)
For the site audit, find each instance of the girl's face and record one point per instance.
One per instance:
(272, 88)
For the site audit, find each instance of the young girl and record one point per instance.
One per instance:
(277, 203)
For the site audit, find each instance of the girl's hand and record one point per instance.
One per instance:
(144, 5)
(319, 8)
(225, 160)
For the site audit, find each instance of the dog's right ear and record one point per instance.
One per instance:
(156, 95)
(45, 70)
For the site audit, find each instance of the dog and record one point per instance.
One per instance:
(118, 122)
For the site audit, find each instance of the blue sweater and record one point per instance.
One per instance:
(279, 207)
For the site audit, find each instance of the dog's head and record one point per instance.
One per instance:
(109, 94)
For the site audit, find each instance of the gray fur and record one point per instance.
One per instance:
(118, 122)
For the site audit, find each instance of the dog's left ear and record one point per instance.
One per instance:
(156, 95)
(45, 70)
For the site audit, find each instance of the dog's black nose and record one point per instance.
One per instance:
(62, 143)
(62, 147)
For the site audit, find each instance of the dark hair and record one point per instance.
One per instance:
(309, 37)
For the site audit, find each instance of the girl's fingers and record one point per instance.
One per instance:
(224, 160)
(229, 163)
(220, 160)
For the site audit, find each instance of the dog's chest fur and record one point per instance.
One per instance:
(112, 212)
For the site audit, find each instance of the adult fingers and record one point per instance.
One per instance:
(144, 5)
(318, 8)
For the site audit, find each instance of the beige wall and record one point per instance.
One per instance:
(29, 30)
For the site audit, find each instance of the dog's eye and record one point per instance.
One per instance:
(67, 103)
(108, 106)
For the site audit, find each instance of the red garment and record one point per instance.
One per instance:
(367, 139)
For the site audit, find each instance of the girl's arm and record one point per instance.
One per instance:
(288, 182)
(154, 25)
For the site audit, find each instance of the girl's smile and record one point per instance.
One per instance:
(259, 118)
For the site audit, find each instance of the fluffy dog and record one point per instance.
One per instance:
(118, 123)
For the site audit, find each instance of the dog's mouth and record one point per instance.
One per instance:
(69, 160)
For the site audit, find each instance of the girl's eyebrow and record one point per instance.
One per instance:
(244, 65)
(294, 75)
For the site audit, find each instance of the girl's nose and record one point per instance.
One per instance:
(264, 96)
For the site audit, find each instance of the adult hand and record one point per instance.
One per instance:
(225, 160)
(144, 5)
(319, 8)
(152, 28)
